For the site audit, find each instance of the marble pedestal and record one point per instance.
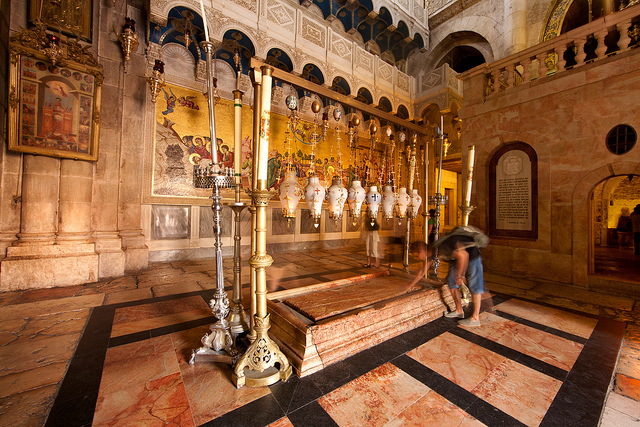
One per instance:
(322, 324)
(32, 267)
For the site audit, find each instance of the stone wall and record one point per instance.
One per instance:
(565, 118)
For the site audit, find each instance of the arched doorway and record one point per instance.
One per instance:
(613, 254)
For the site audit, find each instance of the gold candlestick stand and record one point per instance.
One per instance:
(238, 319)
(257, 366)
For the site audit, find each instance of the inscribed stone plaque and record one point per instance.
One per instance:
(513, 191)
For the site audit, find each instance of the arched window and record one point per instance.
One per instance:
(513, 192)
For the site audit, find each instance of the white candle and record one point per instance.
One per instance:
(472, 153)
(237, 155)
(204, 21)
(263, 149)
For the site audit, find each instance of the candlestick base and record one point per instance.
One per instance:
(263, 363)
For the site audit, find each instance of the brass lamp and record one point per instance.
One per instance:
(156, 81)
(128, 39)
(54, 50)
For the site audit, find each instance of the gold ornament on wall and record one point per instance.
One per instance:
(128, 40)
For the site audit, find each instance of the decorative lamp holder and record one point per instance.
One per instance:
(156, 81)
(128, 40)
(54, 51)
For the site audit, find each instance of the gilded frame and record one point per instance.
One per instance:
(54, 109)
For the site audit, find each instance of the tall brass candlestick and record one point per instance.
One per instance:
(257, 367)
(410, 178)
(466, 207)
(238, 319)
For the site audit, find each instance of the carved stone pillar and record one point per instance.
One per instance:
(39, 215)
(74, 217)
(35, 261)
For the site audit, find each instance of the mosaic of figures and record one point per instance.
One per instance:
(183, 144)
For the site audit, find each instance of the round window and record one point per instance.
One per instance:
(621, 139)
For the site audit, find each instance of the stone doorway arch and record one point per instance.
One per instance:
(583, 233)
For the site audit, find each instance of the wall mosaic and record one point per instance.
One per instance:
(182, 143)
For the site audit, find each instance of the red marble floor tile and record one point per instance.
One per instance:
(521, 392)
(627, 386)
(209, 387)
(48, 294)
(32, 328)
(282, 422)
(548, 316)
(27, 409)
(27, 355)
(141, 385)
(456, 359)
(143, 317)
(552, 349)
(162, 402)
(373, 399)
(433, 410)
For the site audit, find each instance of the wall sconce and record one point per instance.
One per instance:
(156, 81)
(128, 39)
(53, 51)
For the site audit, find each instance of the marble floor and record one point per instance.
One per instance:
(116, 353)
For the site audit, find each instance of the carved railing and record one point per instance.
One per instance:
(597, 40)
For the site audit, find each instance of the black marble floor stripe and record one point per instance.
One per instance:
(76, 400)
(581, 397)
(544, 328)
(465, 400)
(260, 412)
(522, 358)
(157, 332)
(311, 415)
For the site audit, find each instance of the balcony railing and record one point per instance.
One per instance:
(597, 40)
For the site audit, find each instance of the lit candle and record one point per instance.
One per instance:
(204, 21)
(472, 153)
(265, 118)
(237, 155)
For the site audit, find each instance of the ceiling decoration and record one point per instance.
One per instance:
(375, 27)
(183, 20)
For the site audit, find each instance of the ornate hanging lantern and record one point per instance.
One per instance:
(336, 196)
(373, 201)
(414, 206)
(388, 201)
(314, 195)
(290, 193)
(355, 198)
(402, 203)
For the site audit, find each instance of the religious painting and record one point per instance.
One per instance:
(64, 16)
(182, 154)
(54, 109)
(182, 146)
(513, 180)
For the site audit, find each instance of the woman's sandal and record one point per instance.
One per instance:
(367, 266)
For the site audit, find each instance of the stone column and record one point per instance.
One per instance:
(35, 261)
(39, 215)
(132, 135)
(515, 25)
(74, 217)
